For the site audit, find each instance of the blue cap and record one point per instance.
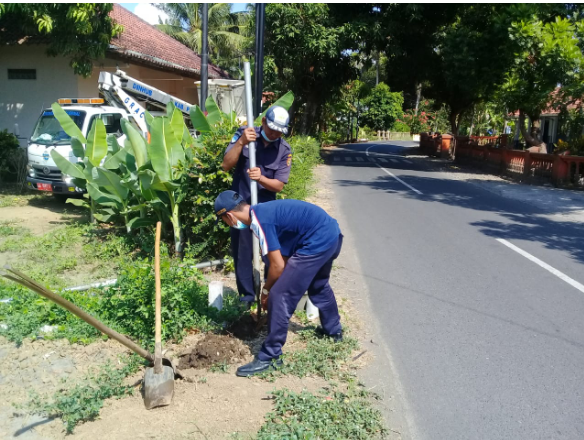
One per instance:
(278, 119)
(226, 201)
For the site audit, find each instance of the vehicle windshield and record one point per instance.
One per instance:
(48, 131)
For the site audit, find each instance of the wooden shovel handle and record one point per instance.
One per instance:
(158, 323)
(26, 281)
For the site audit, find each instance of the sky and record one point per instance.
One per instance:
(150, 14)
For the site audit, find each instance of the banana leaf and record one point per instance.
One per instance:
(138, 222)
(112, 144)
(78, 202)
(123, 157)
(137, 142)
(102, 198)
(67, 167)
(164, 149)
(285, 101)
(67, 123)
(199, 120)
(214, 114)
(111, 182)
(96, 143)
(177, 123)
(77, 147)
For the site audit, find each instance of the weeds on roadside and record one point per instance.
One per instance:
(321, 357)
(328, 415)
(9, 228)
(84, 401)
(221, 367)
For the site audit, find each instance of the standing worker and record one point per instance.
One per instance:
(273, 162)
(301, 241)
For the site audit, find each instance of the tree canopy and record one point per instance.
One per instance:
(80, 31)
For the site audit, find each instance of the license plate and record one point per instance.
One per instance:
(44, 186)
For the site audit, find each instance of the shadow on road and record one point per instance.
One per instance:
(522, 221)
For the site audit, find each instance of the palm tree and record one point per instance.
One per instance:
(228, 32)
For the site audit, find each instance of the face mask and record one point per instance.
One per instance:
(266, 137)
(240, 225)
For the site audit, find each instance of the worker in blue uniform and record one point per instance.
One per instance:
(273, 162)
(301, 241)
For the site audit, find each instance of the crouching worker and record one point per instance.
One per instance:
(309, 239)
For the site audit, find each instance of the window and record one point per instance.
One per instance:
(112, 122)
(21, 73)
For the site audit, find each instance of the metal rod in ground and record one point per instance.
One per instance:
(254, 184)
(204, 57)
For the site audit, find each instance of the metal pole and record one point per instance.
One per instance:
(259, 61)
(254, 184)
(204, 57)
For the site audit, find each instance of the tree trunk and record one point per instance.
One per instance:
(418, 96)
(453, 117)
(471, 123)
(530, 139)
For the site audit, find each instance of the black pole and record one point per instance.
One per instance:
(259, 62)
(204, 57)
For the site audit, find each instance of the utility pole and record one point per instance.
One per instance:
(259, 57)
(204, 57)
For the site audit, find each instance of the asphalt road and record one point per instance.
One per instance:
(479, 298)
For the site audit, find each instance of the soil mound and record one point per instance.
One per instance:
(213, 350)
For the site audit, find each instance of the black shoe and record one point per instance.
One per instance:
(337, 337)
(257, 366)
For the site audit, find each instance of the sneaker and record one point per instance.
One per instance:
(257, 366)
(337, 337)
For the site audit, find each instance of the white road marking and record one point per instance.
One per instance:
(408, 161)
(546, 266)
(382, 160)
(399, 180)
(348, 159)
(371, 159)
(394, 160)
(359, 159)
(336, 158)
(385, 154)
(368, 148)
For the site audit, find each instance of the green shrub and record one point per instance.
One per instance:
(328, 138)
(305, 156)
(129, 306)
(401, 127)
(201, 183)
(9, 147)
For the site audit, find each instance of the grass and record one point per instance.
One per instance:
(83, 401)
(12, 195)
(328, 415)
(321, 357)
(9, 228)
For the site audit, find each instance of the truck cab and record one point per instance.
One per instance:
(43, 173)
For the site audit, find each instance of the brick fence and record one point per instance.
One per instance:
(491, 154)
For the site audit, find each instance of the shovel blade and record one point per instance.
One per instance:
(158, 388)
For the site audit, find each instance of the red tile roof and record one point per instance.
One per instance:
(144, 43)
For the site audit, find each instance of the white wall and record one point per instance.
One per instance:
(21, 101)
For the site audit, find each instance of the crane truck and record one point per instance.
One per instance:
(123, 97)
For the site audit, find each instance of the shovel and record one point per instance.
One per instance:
(158, 381)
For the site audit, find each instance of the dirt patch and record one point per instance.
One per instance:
(214, 350)
(41, 219)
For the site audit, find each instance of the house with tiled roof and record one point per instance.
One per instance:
(30, 80)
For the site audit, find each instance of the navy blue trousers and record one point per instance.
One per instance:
(242, 252)
(302, 273)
